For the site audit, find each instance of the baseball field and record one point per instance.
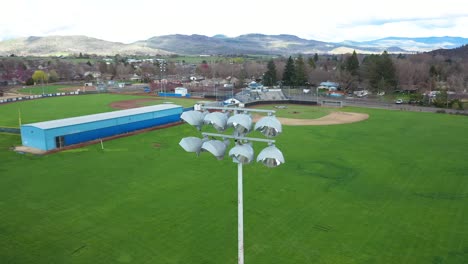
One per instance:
(392, 188)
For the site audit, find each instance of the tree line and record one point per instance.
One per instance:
(375, 72)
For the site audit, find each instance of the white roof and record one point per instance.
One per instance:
(102, 116)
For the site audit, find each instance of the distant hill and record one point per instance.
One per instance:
(244, 44)
(251, 44)
(219, 44)
(460, 52)
(66, 45)
(413, 44)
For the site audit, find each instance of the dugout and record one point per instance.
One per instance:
(59, 133)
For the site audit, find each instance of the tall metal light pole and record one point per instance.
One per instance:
(316, 94)
(240, 215)
(242, 152)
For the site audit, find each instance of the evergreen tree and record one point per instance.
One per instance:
(352, 64)
(387, 70)
(433, 72)
(300, 72)
(316, 58)
(269, 78)
(311, 63)
(289, 71)
(381, 72)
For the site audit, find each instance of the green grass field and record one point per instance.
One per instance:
(46, 89)
(391, 189)
(68, 106)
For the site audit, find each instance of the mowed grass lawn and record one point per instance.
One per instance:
(47, 89)
(69, 106)
(391, 189)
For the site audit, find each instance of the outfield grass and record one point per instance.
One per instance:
(391, 189)
(46, 89)
(58, 107)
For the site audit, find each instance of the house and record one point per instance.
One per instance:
(254, 86)
(330, 86)
(93, 74)
(135, 78)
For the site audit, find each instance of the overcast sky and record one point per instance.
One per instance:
(327, 20)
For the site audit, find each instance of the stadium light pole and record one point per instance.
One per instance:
(242, 153)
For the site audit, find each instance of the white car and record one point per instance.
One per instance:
(398, 101)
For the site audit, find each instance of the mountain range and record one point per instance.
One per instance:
(219, 44)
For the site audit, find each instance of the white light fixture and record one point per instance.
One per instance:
(242, 123)
(269, 126)
(271, 157)
(242, 153)
(191, 144)
(194, 118)
(217, 119)
(215, 147)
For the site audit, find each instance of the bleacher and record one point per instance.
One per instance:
(250, 96)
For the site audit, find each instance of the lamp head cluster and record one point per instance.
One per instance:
(242, 123)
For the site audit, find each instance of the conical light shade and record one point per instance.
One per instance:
(217, 119)
(191, 144)
(242, 153)
(271, 157)
(269, 126)
(194, 118)
(215, 147)
(242, 123)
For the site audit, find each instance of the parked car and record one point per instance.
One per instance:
(398, 101)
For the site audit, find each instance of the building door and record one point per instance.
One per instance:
(59, 141)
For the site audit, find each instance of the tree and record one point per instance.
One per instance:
(441, 99)
(300, 77)
(289, 71)
(269, 78)
(352, 64)
(348, 82)
(311, 63)
(204, 70)
(29, 81)
(40, 76)
(433, 72)
(387, 70)
(380, 72)
(53, 76)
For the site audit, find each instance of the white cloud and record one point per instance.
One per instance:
(331, 20)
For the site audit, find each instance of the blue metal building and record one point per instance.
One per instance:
(59, 133)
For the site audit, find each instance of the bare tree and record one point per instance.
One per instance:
(456, 82)
(347, 81)
(254, 69)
